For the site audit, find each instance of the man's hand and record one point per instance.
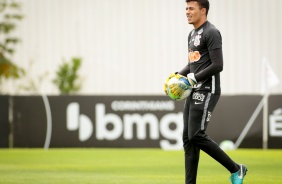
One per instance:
(192, 80)
(177, 89)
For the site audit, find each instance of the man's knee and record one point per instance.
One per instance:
(197, 137)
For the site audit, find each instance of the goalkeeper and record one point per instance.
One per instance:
(205, 62)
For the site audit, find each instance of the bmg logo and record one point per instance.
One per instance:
(124, 126)
(80, 122)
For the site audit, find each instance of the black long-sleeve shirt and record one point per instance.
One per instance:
(205, 57)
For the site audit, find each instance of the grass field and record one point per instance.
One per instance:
(128, 166)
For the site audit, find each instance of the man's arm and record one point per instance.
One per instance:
(215, 67)
(185, 70)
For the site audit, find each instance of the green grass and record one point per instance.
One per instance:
(128, 166)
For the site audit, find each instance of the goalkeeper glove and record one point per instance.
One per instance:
(192, 80)
(178, 88)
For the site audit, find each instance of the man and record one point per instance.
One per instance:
(205, 62)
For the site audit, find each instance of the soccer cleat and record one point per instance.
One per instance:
(238, 177)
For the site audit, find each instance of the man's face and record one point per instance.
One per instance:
(194, 13)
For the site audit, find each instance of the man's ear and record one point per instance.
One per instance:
(203, 11)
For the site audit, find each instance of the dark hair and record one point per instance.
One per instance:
(203, 4)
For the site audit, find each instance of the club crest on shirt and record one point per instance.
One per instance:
(197, 41)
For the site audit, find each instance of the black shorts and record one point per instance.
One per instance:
(197, 112)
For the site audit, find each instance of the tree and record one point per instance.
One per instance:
(67, 79)
(9, 17)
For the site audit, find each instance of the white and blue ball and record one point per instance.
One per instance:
(227, 145)
(182, 83)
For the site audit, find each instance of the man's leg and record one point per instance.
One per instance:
(192, 153)
(201, 107)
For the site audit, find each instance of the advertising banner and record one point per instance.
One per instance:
(4, 121)
(98, 121)
(132, 121)
(275, 121)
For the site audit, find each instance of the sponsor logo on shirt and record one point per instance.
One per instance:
(198, 96)
(194, 56)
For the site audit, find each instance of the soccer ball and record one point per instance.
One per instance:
(182, 87)
(227, 145)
